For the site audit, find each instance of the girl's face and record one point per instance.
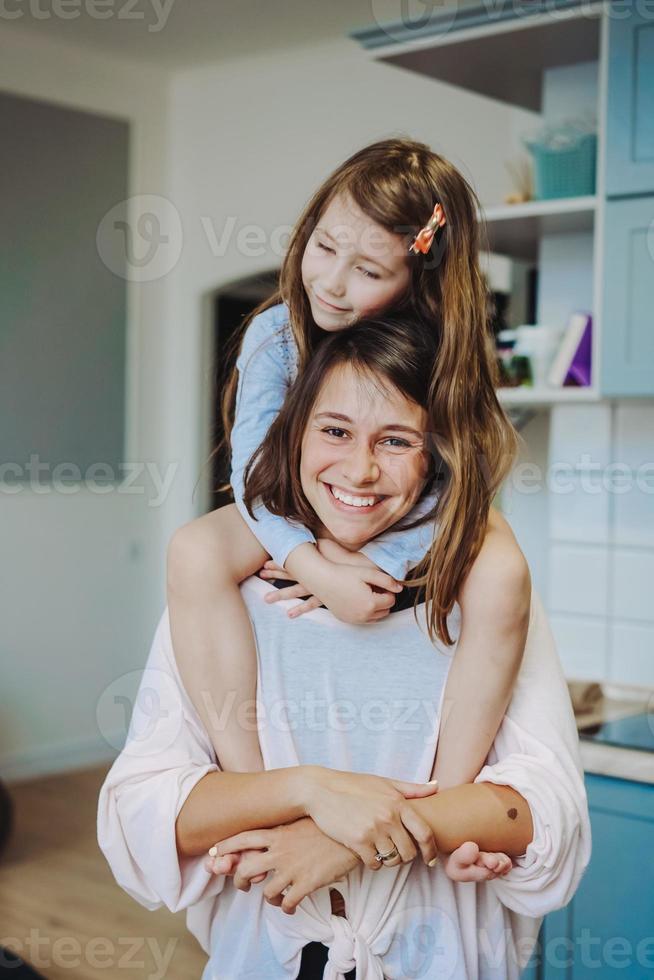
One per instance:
(352, 267)
(367, 446)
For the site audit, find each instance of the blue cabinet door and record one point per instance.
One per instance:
(612, 914)
(607, 930)
(628, 299)
(630, 105)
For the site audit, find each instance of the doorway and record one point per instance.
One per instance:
(231, 305)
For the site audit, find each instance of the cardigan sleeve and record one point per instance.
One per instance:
(165, 754)
(536, 751)
(263, 380)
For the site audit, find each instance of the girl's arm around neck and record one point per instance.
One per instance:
(496, 817)
(495, 606)
(225, 803)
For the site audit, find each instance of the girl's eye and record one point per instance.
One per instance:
(368, 274)
(324, 247)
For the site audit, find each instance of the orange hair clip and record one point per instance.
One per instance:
(424, 238)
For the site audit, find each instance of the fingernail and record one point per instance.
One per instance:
(433, 782)
(433, 862)
(213, 851)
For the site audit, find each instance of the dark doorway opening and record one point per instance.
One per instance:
(230, 307)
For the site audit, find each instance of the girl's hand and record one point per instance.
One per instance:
(370, 814)
(296, 859)
(271, 570)
(468, 863)
(355, 593)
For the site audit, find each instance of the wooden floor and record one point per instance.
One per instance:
(60, 908)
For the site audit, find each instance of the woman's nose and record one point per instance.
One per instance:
(360, 467)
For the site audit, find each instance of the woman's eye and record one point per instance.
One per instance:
(368, 274)
(324, 247)
(399, 443)
(330, 431)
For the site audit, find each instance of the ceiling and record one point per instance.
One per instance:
(183, 33)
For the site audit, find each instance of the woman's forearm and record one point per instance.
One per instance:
(497, 818)
(222, 804)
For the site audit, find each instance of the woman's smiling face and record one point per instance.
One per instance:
(364, 461)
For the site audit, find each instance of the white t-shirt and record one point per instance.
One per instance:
(364, 699)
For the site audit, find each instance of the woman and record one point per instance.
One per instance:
(346, 715)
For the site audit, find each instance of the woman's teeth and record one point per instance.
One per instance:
(354, 501)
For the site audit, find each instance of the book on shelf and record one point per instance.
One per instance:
(572, 363)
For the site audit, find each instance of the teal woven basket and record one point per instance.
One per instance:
(565, 168)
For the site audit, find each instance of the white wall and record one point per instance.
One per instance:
(601, 529)
(83, 573)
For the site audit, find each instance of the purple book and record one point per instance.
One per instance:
(580, 366)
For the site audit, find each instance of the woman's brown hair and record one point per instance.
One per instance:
(396, 183)
(390, 353)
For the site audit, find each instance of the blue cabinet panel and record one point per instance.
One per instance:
(628, 298)
(630, 108)
(607, 930)
(612, 918)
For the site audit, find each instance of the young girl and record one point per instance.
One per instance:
(394, 226)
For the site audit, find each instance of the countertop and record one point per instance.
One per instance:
(598, 703)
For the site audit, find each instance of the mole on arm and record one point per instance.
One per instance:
(512, 813)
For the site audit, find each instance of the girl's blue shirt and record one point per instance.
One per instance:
(267, 366)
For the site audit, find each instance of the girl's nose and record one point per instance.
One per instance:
(334, 280)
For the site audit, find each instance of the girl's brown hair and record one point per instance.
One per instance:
(396, 183)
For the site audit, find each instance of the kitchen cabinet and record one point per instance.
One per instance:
(628, 299)
(630, 103)
(593, 253)
(607, 930)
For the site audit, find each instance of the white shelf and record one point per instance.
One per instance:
(546, 396)
(501, 57)
(514, 230)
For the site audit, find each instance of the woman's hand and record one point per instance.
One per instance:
(355, 592)
(370, 814)
(296, 859)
